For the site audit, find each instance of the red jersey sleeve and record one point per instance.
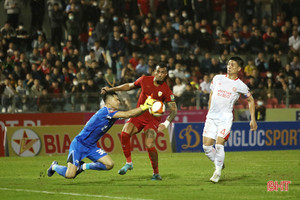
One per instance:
(169, 96)
(138, 82)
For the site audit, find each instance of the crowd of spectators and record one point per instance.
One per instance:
(96, 43)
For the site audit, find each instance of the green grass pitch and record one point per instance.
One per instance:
(185, 177)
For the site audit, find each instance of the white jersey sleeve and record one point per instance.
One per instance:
(243, 89)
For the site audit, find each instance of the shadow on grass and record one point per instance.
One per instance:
(134, 180)
(232, 179)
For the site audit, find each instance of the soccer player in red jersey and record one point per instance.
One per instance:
(156, 87)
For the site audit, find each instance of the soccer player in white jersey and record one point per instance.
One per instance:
(225, 91)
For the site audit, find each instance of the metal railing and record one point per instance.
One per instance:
(83, 102)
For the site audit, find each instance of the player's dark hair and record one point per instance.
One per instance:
(162, 65)
(237, 59)
(108, 94)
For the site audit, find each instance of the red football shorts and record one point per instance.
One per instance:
(141, 123)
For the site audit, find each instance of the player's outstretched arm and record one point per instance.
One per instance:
(172, 106)
(123, 87)
(251, 103)
(136, 111)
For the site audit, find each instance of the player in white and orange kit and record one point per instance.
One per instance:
(156, 87)
(225, 91)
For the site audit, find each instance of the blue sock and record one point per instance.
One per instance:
(95, 166)
(61, 170)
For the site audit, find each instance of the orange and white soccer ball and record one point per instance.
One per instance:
(157, 109)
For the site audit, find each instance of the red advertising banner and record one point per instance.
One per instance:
(2, 141)
(49, 119)
(41, 119)
(186, 116)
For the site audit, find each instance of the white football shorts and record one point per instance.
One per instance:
(216, 128)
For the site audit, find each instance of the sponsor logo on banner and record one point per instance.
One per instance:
(268, 136)
(188, 137)
(56, 140)
(191, 136)
(25, 142)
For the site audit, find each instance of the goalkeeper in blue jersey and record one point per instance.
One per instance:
(85, 143)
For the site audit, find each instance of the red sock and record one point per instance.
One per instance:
(153, 155)
(125, 141)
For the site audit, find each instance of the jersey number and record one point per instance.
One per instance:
(100, 151)
(223, 132)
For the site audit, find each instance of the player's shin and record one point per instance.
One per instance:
(220, 156)
(125, 140)
(153, 155)
(61, 170)
(94, 166)
(210, 152)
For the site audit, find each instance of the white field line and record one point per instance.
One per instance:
(70, 194)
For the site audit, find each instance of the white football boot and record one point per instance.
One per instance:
(216, 176)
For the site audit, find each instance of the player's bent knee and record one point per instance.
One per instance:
(149, 145)
(70, 175)
(219, 147)
(207, 149)
(110, 165)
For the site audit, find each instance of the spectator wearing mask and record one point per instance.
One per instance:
(73, 30)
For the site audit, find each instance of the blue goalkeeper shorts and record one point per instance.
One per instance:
(78, 151)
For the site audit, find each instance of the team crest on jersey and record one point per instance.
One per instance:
(172, 97)
(159, 93)
(110, 110)
(234, 89)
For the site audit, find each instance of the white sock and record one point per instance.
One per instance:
(84, 166)
(210, 152)
(130, 163)
(220, 156)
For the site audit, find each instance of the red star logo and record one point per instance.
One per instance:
(26, 143)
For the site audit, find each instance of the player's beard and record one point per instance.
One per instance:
(160, 82)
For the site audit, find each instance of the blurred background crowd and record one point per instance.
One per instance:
(95, 43)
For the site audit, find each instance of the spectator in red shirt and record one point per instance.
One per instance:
(44, 67)
(204, 24)
(56, 94)
(134, 60)
(144, 7)
(245, 33)
(267, 34)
